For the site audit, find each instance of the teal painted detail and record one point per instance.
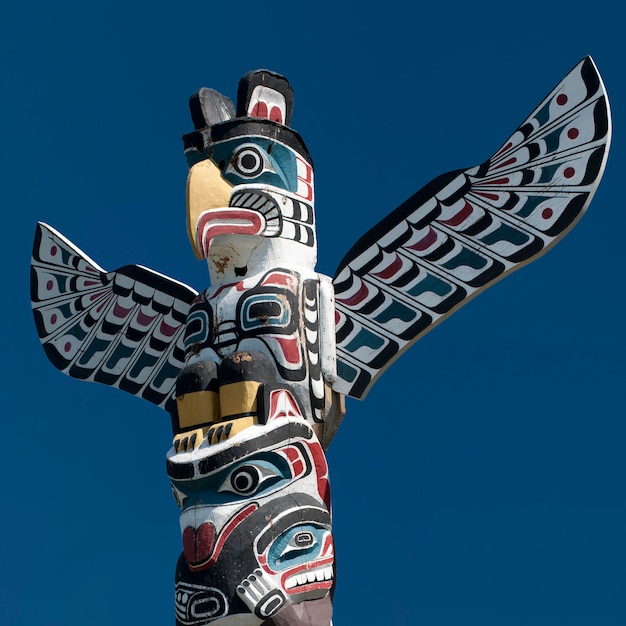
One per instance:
(66, 255)
(530, 205)
(396, 310)
(166, 372)
(195, 156)
(145, 361)
(296, 546)
(281, 319)
(277, 168)
(66, 310)
(543, 115)
(346, 372)
(506, 233)
(120, 353)
(77, 331)
(202, 334)
(365, 339)
(255, 476)
(466, 257)
(61, 282)
(432, 284)
(553, 139)
(547, 173)
(91, 348)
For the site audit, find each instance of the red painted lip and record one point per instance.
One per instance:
(230, 221)
(198, 542)
(202, 546)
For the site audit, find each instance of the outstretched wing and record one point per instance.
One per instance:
(122, 328)
(467, 229)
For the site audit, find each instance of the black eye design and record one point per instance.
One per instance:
(246, 479)
(299, 543)
(248, 161)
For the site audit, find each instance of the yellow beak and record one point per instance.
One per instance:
(206, 190)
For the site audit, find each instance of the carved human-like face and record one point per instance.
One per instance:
(256, 525)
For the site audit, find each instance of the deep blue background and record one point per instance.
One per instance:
(482, 480)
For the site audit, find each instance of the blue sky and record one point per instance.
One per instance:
(482, 480)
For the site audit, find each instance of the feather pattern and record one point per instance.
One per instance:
(467, 229)
(123, 328)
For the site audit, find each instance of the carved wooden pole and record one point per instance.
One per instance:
(253, 369)
(254, 398)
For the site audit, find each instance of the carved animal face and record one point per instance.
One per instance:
(251, 182)
(255, 522)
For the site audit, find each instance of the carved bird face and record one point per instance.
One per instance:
(250, 191)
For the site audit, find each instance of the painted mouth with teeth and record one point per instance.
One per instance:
(306, 579)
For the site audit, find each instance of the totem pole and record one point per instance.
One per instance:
(253, 370)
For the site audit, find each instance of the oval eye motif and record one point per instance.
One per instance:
(299, 543)
(197, 327)
(245, 480)
(248, 161)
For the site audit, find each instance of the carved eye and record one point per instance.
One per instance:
(268, 312)
(300, 542)
(198, 328)
(248, 161)
(246, 479)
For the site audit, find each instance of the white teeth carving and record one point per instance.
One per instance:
(319, 575)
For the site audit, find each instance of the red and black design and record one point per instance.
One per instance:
(255, 523)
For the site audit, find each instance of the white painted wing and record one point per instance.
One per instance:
(468, 228)
(122, 328)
